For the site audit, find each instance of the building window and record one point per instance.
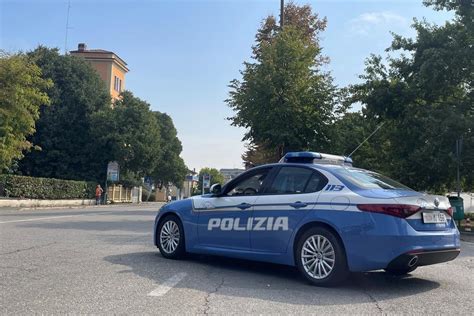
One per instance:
(117, 84)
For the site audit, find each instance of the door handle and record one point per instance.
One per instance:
(298, 205)
(244, 206)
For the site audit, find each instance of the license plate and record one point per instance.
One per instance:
(434, 218)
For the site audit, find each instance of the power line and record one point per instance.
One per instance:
(378, 127)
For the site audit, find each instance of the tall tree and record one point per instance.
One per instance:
(170, 167)
(129, 134)
(300, 17)
(285, 100)
(68, 149)
(22, 92)
(426, 96)
(258, 154)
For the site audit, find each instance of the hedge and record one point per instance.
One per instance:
(44, 188)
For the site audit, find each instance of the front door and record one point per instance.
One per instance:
(287, 200)
(224, 220)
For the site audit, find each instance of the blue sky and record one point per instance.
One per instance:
(182, 54)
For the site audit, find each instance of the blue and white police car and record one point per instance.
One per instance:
(317, 212)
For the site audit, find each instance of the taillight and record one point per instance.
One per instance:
(450, 211)
(398, 210)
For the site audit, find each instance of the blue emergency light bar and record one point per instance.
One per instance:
(316, 158)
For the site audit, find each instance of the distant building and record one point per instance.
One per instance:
(230, 174)
(111, 67)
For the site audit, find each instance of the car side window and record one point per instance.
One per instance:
(250, 185)
(316, 183)
(290, 180)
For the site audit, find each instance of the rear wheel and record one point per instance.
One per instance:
(171, 238)
(320, 257)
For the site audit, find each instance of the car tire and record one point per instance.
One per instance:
(400, 271)
(320, 257)
(170, 238)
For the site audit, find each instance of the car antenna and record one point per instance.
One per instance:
(375, 131)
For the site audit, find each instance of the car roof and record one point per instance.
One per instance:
(316, 166)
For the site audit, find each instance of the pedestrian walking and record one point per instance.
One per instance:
(169, 198)
(98, 194)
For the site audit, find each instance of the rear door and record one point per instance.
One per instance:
(293, 192)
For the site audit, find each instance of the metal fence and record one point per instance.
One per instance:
(120, 194)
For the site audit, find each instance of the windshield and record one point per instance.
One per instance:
(368, 180)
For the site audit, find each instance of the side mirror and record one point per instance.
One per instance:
(216, 189)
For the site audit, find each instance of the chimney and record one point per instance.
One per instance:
(81, 47)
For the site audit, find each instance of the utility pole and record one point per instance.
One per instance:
(458, 156)
(282, 13)
(67, 26)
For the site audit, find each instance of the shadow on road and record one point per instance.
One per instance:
(268, 282)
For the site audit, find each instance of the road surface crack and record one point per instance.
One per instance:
(374, 301)
(26, 249)
(207, 298)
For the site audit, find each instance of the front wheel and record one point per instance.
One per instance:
(171, 238)
(320, 257)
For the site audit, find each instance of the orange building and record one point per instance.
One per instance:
(111, 67)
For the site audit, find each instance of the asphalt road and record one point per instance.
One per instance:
(102, 260)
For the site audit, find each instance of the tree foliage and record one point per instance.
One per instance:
(22, 92)
(258, 154)
(216, 177)
(67, 148)
(170, 167)
(285, 100)
(425, 97)
(81, 132)
(129, 134)
(144, 143)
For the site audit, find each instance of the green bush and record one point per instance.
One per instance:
(145, 194)
(44, 188)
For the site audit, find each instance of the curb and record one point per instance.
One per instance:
(38, 208)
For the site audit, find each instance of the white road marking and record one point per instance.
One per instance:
(40, 219)
(168, 284)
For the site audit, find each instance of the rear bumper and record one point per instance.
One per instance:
(423, 258)
(387, 238)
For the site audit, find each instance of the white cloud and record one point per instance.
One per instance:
(365, 23)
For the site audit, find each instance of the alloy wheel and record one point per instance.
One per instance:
(318, 256)
(169, 236)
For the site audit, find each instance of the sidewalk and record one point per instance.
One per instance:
(32, 203)
(92, 206)
(469, 237)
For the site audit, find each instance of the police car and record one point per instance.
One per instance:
(317, 212)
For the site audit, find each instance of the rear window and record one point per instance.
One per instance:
(368, 180)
